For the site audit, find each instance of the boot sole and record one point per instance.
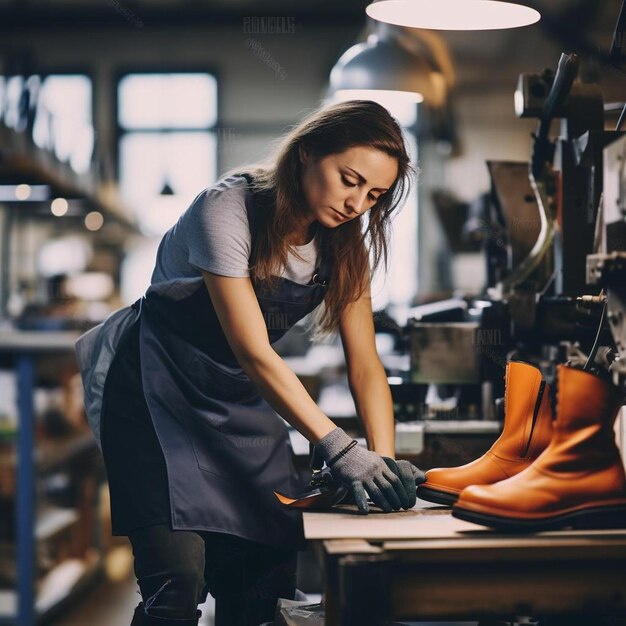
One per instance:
(436, 496)
(602, 517)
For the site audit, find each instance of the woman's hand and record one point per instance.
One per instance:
(365, 472)
(410, 476)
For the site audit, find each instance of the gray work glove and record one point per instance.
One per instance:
(364, 471)
(410, 476)
(419, 476)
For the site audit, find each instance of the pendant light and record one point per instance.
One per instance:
(453, 14)
(381, 66)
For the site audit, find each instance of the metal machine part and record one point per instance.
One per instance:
(607, 267)
(460, 359)
(540, 172)
(445, 353)
(543, 213)
(566, 180)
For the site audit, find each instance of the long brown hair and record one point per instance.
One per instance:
(328, 130)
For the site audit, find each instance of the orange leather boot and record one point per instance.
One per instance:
(578, 481)
(526, 433)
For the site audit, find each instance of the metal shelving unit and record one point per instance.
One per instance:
(25, 348)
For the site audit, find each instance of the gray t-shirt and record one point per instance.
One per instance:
(213, 234)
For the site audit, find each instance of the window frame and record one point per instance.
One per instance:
(119, 131)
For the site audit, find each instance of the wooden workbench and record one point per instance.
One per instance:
(425, 564)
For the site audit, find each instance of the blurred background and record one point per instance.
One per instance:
(115, 114)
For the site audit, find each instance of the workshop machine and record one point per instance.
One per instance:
(553, 233)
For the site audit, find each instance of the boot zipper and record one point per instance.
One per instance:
(542, 386)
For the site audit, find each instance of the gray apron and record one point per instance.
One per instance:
(226, 450)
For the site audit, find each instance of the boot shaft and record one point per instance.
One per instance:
(584, 399)
(527, 413)
(583, 435)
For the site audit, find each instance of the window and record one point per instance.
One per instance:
(400, 286)
(59, 106)
(168, 144)
(63, 121)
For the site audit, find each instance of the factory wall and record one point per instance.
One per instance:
(257, 102)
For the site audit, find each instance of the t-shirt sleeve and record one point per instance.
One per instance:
(218, 234)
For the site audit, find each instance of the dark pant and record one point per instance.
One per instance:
(177, 569)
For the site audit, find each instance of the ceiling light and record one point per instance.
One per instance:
(379, 94)
(58, 207)
(453, 14)
(22, 192)
(383, 65)
(94, 220)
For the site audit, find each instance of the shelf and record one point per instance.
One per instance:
(23, 161)
(462, 427)
(52, 521)
(62, 584)
(37, 341)
(49, 455)
(409, 430)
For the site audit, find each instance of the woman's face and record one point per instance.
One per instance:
(342, 186)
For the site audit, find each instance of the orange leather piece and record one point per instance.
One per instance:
(524, 436)
(316, 499)
(580, 469)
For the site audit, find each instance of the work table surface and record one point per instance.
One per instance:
(425, 564)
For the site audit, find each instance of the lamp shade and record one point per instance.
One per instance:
(453, 14)
(383, 65)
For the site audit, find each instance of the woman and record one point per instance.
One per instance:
(193, 452)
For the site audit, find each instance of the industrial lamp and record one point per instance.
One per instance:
(381, 67)
(453, 14)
